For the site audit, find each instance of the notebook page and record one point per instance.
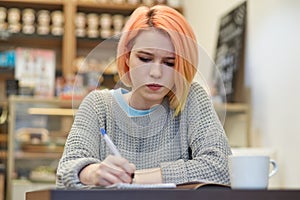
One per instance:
(142, 186)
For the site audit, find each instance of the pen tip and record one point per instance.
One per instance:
(102, 131)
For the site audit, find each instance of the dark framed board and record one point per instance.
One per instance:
(229, 58)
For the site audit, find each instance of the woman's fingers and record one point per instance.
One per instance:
(114, 177)
(116, 170)
(103, 182)
(121, 163)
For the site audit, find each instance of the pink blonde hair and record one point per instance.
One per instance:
(183, 38)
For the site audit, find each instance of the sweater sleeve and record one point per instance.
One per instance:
(82, 145)
(207, 142)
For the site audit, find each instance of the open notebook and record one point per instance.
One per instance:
(188, 185)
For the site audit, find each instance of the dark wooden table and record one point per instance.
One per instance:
(165, 194)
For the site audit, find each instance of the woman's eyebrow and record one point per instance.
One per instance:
(169, 57)
(144, 52)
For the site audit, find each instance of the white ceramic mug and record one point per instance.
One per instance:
(251, 172)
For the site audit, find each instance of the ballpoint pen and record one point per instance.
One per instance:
(110, 144)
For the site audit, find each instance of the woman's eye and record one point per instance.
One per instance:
(144, 59)
(170, 64)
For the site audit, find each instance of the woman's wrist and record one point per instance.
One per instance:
(148, 176)
(84, 175)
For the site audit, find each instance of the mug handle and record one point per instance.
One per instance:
(275, 168)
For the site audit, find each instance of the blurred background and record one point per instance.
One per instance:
(50, 59)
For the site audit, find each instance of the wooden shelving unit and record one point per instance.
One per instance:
(67, 45)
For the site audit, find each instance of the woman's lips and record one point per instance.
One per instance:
(154, 87)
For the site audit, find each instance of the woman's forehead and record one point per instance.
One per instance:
(153, 39)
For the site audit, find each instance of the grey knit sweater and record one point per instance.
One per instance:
(191, 146)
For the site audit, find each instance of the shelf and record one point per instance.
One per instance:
(6, 73)
(52, 111)
(33, 183)
(237, 107)
(34, 3)
(32, 40)
(124, 8)
(8, 70)
(108, 7)
(55, 101)
(30, 155)
(88, 43)
(232, 107)
(85, 42)
(112, 8)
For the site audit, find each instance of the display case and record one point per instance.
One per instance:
(37, 132)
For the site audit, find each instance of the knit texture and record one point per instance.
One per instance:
(191, 146)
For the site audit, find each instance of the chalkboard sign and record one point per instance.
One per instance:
(229, 58)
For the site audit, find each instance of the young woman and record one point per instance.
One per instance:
(165, 127)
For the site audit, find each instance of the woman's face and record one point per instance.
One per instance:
(151, 64)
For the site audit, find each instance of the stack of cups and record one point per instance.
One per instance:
(80, 23)
(93, 24)
(105, 25)
(13, 18)
(118, 23)
(3, 24)
(28, 19)
(57, 19)
(43, 18)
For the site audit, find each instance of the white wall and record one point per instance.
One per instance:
(204, 16)
(272, 71)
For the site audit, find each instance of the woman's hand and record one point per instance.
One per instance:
(113, 169)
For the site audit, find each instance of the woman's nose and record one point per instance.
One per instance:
(155, 70)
